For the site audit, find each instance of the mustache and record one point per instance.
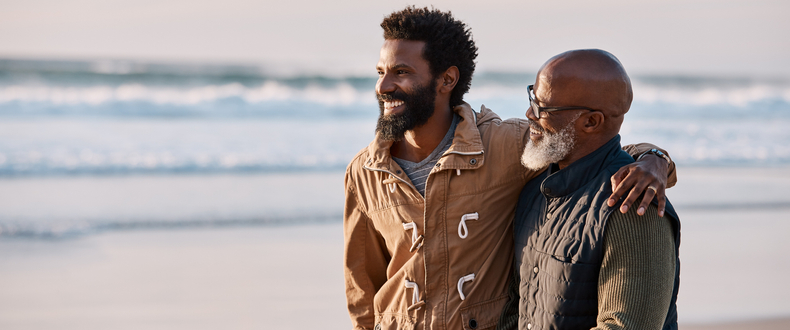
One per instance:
(391, 96)
(533, 125)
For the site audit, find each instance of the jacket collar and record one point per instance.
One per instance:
(562, 182)
(466, 143)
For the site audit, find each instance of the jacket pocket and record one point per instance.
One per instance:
(394, 321)
(568, 288)
(483, 315)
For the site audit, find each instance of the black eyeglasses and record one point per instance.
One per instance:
(538, 109)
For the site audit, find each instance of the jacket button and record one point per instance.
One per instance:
(548, 215)
(547, 190)
(473, 161)
(529, 325)
(397, 172)
(535, 270)
(473, 324)
(438, 164)
(378, 327)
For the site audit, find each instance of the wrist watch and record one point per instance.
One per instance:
(657, 153)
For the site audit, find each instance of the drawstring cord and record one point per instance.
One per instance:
(416, 241)
(461, 281)
(415, 296)
(462, 230)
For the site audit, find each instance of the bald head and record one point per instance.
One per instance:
(591, 78)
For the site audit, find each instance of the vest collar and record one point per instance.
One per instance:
(563, 182)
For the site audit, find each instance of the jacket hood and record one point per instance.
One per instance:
(485, 114)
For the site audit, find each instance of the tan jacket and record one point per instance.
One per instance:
(442, 261)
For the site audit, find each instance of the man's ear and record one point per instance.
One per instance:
(448, 79)
(593, 121)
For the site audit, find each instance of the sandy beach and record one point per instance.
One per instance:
(274, 275)
(230, 278)
(769, 324)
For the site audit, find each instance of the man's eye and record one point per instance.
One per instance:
(402, 72)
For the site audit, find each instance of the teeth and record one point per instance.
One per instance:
(393, 104)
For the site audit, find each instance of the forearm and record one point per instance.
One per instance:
(638, 272)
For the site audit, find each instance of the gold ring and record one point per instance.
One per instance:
(655, 190)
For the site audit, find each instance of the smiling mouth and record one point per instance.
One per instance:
(535, 131)
(389, 105)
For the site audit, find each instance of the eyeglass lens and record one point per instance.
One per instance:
(533, 104)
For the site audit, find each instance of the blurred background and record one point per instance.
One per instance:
(179, 164)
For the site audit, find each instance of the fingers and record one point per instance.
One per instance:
(617, 180)
(662, 201)
(650, 192)
(638, 188)
(619, 176)
(633, 181)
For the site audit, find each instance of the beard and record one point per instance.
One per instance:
(551, 148)
(418, 108)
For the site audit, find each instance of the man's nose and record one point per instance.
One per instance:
(385, 84)
(531, 114)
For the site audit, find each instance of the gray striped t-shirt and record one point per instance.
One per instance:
(418, 172)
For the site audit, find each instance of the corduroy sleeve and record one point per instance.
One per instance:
(638, 271)
(364, 261)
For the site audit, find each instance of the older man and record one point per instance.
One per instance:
(580, 264)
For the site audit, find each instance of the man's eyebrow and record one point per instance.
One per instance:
(395, 67)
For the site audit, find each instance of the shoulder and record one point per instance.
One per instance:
(508, 133)
(488, 119)
(629, 230)
(355, 168)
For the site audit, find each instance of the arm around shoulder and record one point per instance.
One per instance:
(650, 175)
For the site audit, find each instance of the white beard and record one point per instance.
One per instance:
(552, 147)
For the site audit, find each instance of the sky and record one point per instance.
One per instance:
(341, 37)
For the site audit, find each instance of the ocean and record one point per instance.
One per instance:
(156, 192)
(125, 119)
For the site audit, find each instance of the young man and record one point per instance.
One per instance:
(430, 202)
(580, 264)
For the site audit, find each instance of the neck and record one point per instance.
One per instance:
(420, 142)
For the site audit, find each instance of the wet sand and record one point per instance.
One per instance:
(734, 265)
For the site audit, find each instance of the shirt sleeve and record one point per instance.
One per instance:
(365, 261)
(637, 274)
(637, 149)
